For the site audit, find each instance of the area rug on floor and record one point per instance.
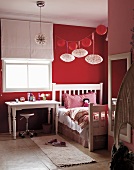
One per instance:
(62, 156)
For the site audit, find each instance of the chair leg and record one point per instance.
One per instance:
(26, 124)
(31, 133)
(22, 134)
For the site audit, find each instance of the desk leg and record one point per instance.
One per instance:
(53, 120)
(9, 119)
(56, 119)
(49, 109)
(14, 122)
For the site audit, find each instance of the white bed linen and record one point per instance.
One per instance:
(66, 120)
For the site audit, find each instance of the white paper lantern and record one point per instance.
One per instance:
(79, 52)
(93, 59)
(67, 57)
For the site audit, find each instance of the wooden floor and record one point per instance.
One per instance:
(24, 154)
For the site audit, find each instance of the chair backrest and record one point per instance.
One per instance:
(124, 112)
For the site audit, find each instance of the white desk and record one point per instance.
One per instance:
(13, 107)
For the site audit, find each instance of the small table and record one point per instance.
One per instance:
(14, 106)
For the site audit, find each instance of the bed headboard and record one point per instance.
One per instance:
(76, 89)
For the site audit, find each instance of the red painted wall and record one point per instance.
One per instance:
(119, 68)
(78, 71)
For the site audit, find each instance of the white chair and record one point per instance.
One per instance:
(31, 133)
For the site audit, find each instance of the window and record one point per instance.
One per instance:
(26, 75)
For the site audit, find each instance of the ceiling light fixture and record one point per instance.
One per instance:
(40, 38)
(93, 58)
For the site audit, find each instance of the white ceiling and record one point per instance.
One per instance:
(90, 13)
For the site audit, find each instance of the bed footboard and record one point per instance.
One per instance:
(102, 123)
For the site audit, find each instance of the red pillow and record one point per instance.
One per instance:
(71, 101)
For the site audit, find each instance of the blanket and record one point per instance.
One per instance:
(81, 116)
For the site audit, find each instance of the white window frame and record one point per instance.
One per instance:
(27, 62)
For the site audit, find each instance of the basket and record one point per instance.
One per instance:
(47, 128)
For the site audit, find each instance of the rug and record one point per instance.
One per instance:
(62, 156)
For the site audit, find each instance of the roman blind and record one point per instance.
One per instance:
(18, 40)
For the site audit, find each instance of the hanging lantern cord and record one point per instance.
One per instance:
(79, 44)
(40, 4)
(40, 19)
(67, 46)
(93, 41)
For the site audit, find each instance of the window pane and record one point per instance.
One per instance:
(38, 76)
(16, 76)
(26, 75)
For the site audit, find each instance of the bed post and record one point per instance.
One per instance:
(101, 92)
(90, 142)
(53, 91)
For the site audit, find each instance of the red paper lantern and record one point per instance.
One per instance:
(72, 45)
(86, 42)
(61, 43)
(101, 29)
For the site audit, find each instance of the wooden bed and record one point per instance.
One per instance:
(97, 129)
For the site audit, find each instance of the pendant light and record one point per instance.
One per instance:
(40, 38)
(93, 58)
(66, 57)
(80, 52)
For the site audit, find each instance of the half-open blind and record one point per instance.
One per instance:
(18, 40)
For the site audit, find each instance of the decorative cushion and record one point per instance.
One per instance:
(71, 101)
